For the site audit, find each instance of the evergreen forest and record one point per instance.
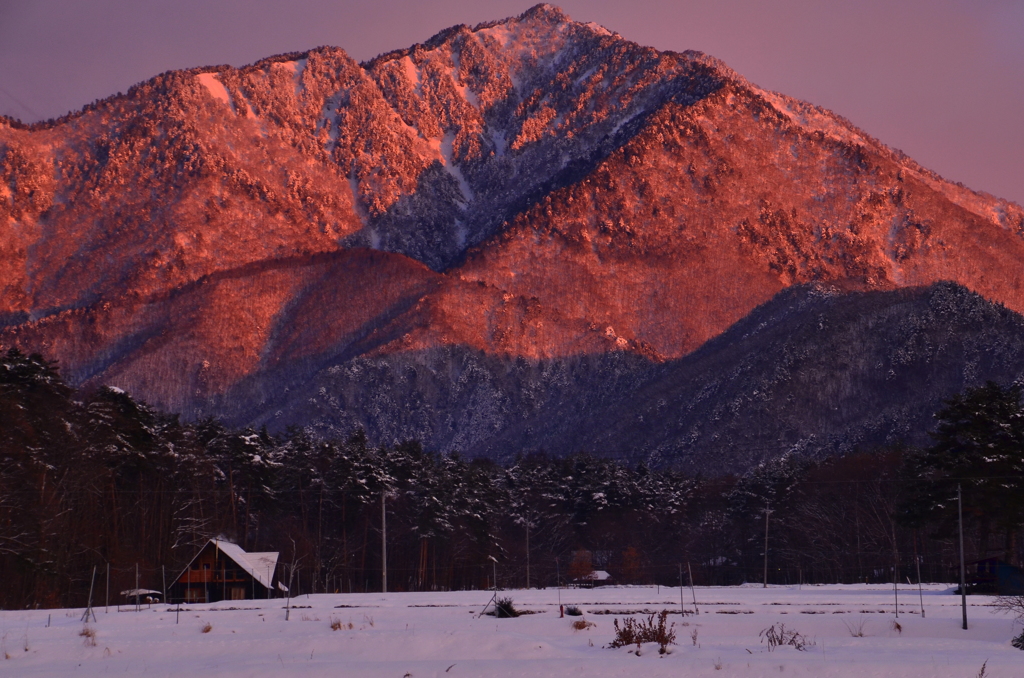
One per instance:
(96, 479)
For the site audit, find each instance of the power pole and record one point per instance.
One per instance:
(682, 609)
(917, 559)
(527, 551)
(383, 542)
(963, 570)
(767, 510)
(692, 592)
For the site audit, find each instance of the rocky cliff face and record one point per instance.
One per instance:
(495, 201)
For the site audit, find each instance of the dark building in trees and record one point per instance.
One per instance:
(993, 575)
(223, 571)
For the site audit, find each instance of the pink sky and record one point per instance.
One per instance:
(943, 80)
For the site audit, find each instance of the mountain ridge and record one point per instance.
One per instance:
(530, 189)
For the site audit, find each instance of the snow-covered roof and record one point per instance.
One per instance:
(260, 564)
(597, 575)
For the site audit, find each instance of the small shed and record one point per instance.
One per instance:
(993, 575)
(595, 578)
(222, 570)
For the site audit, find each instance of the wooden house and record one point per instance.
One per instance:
(223, 571)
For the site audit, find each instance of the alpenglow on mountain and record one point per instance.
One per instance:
(479, 241)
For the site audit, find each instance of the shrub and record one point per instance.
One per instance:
(504, 609)
(780, 636)
(573, 611)
(1013, 605)
(856, 628)
(207, 627)
(582, 625)
(633, 632)
(90, 636)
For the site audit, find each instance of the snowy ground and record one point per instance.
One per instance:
(439, 634)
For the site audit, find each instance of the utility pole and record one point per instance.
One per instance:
(682, 609)
(963, 570)
(767, 510)
(895, 573)
(692, 592)
(527, 551)
(917, 560)
(383, 542)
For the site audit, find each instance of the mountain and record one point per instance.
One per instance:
(816, 371)
(450, 240)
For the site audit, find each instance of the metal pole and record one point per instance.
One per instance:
(921, 593)
(527, 552)
(896, 591)
(692, 592)
(767, 510)
(895, 573)
(963, 570)
(88, 608)
(383, 543)
(137, 587)
(681, 610)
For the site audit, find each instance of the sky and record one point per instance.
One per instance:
(942, 80)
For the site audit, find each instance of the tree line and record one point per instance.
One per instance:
(98, 479)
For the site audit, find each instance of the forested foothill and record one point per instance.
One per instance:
(96, 479)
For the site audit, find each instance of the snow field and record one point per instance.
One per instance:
(440, 634)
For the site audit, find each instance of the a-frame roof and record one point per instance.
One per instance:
(260, 566)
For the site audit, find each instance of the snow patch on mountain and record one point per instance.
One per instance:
(809, 118)
(295, 68)
(598, 28)
(413, 75)
(449, 165)
(216, 88)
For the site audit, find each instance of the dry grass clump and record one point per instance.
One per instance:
(776, 637)
(582, 625)
(633, 632)
(856, 628)
(89, 634)
(338, 625)
(207, 627)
